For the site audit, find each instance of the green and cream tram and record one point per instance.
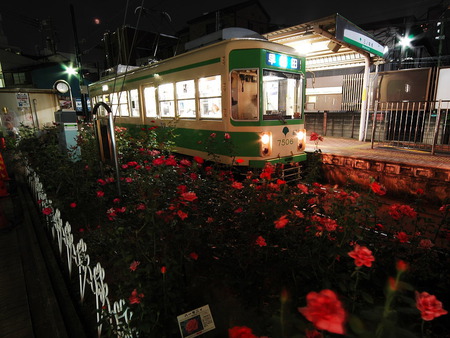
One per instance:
(249, 90)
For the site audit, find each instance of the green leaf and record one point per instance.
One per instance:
(356, 325)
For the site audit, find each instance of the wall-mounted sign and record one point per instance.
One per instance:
(23, 101)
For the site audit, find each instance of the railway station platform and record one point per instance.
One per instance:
(402, 171)
(34, 301)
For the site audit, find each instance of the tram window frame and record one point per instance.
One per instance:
(282, 90)
(101, 98)
(245, 107)
(119, 104)
(166, 99)
(150, 102)
(134, 105)
(186, 99)
(210, 97)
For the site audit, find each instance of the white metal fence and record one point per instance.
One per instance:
(421, 125)
(76, 256)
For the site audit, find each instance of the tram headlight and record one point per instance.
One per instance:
(301, 139)
(266, 144)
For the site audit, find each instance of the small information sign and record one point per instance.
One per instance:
(22, 100)
(196, 322)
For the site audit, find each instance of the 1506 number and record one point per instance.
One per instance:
(285, 142)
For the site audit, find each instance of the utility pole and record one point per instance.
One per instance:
(78, 61)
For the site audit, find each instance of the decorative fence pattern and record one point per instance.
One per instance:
(93, 277)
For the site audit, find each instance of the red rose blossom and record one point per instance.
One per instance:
(429, 306)
(241, 332)
(362, 256)
(325, 311)
(378, 189)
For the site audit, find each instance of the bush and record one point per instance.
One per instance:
(285, 260)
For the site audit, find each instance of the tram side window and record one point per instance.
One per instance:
(166, 100)
(105, 98)
(101, 98)
(150, 102)
(244, 95)
(134, 102)
(210, 97)
(186, 99)
(119, 103)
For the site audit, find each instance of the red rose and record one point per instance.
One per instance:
(429, 306)
(325, 311)
(378, 189)
(261, 241)
(135, 298)
(241, 332)
(281, 222)
(189, 196)
(362, 256)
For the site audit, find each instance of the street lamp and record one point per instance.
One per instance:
(405, 41)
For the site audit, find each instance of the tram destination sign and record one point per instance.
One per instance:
(353, 35)
(282, 61)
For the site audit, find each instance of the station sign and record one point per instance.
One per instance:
(282, 61)
(353, 35)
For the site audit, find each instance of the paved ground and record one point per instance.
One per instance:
(34, 301)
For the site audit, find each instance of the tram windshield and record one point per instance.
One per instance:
(282, 95)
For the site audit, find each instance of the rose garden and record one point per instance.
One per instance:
(270, 258)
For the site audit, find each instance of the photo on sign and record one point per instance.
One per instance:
(191, 326)
(196, 322)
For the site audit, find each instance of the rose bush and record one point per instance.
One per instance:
(270, 258)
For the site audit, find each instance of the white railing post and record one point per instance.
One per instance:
(119, 314)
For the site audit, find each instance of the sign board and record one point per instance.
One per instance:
(196, 322)
(282, 61)
(23, 100)
(353, 35)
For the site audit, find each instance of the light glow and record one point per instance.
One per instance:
(265, 139)
(405, 41)
(300, 135)
(70, 70)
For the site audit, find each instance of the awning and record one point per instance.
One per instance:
(331, 42)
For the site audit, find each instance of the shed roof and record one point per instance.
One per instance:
(323, 47)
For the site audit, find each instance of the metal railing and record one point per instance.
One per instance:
(423, 125)
(89, 276)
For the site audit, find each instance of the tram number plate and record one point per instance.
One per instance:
(285, 142)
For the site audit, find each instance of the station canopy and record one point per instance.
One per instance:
(329, 43)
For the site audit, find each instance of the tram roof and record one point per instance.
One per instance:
(329, 43)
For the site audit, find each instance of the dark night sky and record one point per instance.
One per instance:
(21, 30)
